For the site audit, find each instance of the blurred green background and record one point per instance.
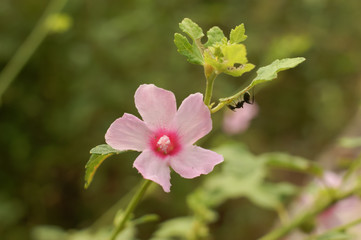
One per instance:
(81, 80)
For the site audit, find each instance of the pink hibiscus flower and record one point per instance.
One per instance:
(165, 136)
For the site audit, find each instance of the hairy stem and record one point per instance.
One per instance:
(132, 205)
(22, 55)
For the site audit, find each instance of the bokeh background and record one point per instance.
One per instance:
(80, 80)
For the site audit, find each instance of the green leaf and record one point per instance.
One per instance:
(191, 29)
(237, 35)
(104, 149)
(200, 202)
(228, 59)
(238, 71)
(174, 229)
(243, 175)
(146, 219)
(286, 161)
(91, 167)
(98, 155)
(186, 49)
(270, 195)
(212, 60)
(215, 35)
(234, 54)
(269, 72)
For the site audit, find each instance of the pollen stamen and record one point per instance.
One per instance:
(164, 144)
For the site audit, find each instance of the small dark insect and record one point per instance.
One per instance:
(239, 104)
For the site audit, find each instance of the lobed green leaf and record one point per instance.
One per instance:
(230, 59)
(191, 29)
(269, 72)
(215, 35)
(237, 34)
(235, 53)
(186, 49)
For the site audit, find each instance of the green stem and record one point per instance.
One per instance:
(305, 216)
(22, 55)
(108, 216)
(209, 88)
(132, 205)
(228, 100)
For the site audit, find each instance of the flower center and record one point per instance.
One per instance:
(165, 143)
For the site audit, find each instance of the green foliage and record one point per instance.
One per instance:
(98, 155)
(244, 175)
(223, 56)
(214, 35)
(295, 163)
(191, 51)
(238, 34)
(116, 45)
(104, 149)
(191, 29)
(269, 72)
(175, 228)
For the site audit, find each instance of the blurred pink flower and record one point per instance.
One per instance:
(239, 120)
(165, 136)
(342, 212)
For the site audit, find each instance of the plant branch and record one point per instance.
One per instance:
(26, 50)
(225, 101)
(132, 205)
(209, 87)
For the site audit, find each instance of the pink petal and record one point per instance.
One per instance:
(239, 121)
(128, 133)
(194, 161)
(193, 119)
(156, 105)
(153, 168)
